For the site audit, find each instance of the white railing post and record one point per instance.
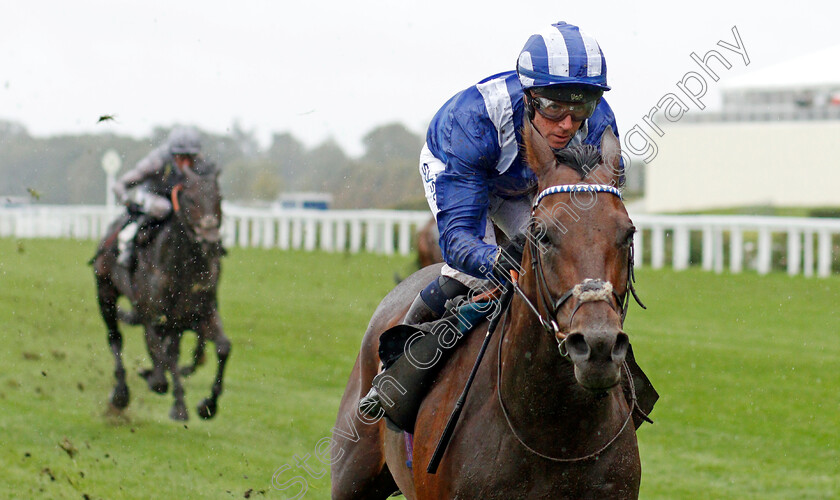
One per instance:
(682, 247)
(658, 247)
(718, 243)
(297, 233)
(736, 249)
(256, 232)
(229, 231)
(824, 254)
(388, 243)
(794, 251)
(405, 237)
(327, 241)
(808, 258)
(340, 234)
(708, 248)
(765, 250)
(283, 224)
(5, 224)
(310, 235)
(242, 224)
(638, 249)
(355, 235)
(268, 232)
(370, 235)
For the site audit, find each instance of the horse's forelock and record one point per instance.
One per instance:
(582, 158)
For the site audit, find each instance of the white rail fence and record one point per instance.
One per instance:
(378, 231)
(740, 242)
(806, 246)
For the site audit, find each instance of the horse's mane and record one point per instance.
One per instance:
(582, 158)
(204, 167)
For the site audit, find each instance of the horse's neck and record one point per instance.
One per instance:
(539, 389)
(179, 253)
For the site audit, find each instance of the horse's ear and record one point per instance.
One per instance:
(538, 153)
(611, 153)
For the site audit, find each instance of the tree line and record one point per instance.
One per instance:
(66, 169)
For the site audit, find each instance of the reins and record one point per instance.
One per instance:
(519, 438)
(176, 206)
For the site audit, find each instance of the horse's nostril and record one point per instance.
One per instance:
(619, 350)
(577, 347)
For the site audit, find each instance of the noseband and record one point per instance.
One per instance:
(590, 290)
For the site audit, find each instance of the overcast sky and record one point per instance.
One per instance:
(339, 68)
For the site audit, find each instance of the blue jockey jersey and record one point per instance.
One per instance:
(477, 135)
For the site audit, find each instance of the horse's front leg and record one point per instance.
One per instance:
(198, 357)
(211, 329)
(156, 377)
(107, 295)
(173, 351)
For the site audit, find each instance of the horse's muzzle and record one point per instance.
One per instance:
(207, 231)
(597, 357)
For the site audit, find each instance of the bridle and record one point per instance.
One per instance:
(590, 290)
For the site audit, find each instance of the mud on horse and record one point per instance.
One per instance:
(172, 290)
(551, 411)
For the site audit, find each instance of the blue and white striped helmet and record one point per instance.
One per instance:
(562, 55)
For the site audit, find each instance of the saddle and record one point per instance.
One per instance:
(148, 230)
(412, 356)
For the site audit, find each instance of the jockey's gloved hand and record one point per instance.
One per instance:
(509, 258)
(134, 208)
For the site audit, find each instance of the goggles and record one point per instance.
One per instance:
(557, 111)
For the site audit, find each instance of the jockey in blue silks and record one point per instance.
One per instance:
(474, 174)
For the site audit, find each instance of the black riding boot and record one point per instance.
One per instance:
(428, 306)
(419, 312)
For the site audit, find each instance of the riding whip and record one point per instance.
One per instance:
(446, 436)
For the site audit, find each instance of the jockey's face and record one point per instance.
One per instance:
(557, 133)
(558, 121)
(185, 161)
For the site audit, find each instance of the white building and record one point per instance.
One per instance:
(775, 142)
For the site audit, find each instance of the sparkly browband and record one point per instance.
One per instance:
(577, 188)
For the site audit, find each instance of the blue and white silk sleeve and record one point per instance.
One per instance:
(462, 197)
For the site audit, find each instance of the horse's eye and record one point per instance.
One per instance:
(542, 237)
(627, 239)
(546, 239)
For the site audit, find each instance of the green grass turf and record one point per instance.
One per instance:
(747, 367)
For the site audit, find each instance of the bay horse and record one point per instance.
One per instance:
(172, 289)
(428, 248)
(547, 415)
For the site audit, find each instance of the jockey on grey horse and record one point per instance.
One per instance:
(474, 175)
(152, 181)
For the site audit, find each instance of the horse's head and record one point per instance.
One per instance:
(198, 204)
(578, 259)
